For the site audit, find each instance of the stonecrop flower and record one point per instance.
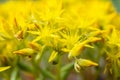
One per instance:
(32, 29)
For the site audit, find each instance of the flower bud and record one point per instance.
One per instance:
(25, 51)
(35, 46)
(19, 35)
(86, 63)
(77, 49)
(53, 56)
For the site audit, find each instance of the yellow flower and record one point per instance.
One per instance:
(113, 58)
(114, 38)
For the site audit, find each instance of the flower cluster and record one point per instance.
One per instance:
(76, 28)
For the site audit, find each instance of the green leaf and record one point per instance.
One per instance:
(25, 67)
(14, 74)
(66, 70)
(116, 3)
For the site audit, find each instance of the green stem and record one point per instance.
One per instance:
(44, 72)
(58, 71)
(66, 70)
(39, 55)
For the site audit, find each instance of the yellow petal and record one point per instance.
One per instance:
(34, 32)
(53, 56)
(35, 46)
(77, 67)
(76, 50)
(4, 68)
(94, 39)
(37, 39)
(89, 46)
(65, 50)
